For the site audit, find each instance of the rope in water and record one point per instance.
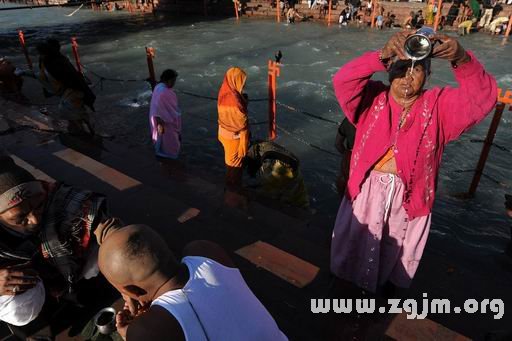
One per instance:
(305, 113)
(497, 182)
(102, 79)
(505, 149)
(294, 136)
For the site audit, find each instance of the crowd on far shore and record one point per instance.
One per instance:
(465, 15)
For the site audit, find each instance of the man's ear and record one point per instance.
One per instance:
(135, 290)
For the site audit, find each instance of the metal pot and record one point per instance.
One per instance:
(419, 45)
(105, 321)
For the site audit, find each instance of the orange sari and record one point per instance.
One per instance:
(233, 122)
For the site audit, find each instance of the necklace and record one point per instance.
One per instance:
(403, 117)
(401, 122)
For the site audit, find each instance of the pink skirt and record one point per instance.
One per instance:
(373, 240)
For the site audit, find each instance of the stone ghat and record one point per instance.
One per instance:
(254, 8)
(37, 2)
(179, 7)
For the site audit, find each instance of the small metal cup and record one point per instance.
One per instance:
(419, 45)
(105, 321)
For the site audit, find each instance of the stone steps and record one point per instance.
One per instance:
(180, 6)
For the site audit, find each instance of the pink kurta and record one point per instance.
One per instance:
(164, 104)
(439, 116)
(383, 224)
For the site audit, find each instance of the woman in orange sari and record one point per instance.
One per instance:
(233, 125)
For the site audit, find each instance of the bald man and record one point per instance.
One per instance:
(202, 298)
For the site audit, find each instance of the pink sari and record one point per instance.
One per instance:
(164, 104)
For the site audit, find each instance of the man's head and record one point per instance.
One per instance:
(168, 77)
(136, 261)
(50, 47)
(22, 198)
(53, 46)
(406, 83)
(42, 49)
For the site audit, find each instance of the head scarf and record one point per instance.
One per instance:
(231, 104)
(235, 79)
(16, 184)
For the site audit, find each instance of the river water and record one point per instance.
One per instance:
(112, 45)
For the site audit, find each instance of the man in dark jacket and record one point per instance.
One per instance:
(59, 77)
(344, 144)
(49, 239)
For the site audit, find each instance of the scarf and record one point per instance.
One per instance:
(65, 234)
(232, 106)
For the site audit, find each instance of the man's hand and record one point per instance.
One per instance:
(450, 49)
(395, 46)
(16, 280)
(135, 307)
(132, 308)
(123, 320)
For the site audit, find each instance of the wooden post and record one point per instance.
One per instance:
(236, 9)
(74, 47)
(205, 8)
(509, 27)
(21, 36)
(150, 54)
(273, 73)
(374, 11)
(486, 148)
(278, 10)
(329, 15)
(438, 14)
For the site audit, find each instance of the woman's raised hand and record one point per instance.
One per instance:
(395, 46)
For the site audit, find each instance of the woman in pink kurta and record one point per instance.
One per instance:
(384, 220)
(165, 117)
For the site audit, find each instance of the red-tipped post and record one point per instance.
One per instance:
(21, 36)
(150, 55)
(74, 46)
(273, 73)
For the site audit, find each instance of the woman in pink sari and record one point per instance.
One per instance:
(165, 117)
(384, 220)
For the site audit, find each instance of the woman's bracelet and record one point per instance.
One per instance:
(461, 61)
(384, 61)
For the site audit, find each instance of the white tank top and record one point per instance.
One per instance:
(217, 305)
